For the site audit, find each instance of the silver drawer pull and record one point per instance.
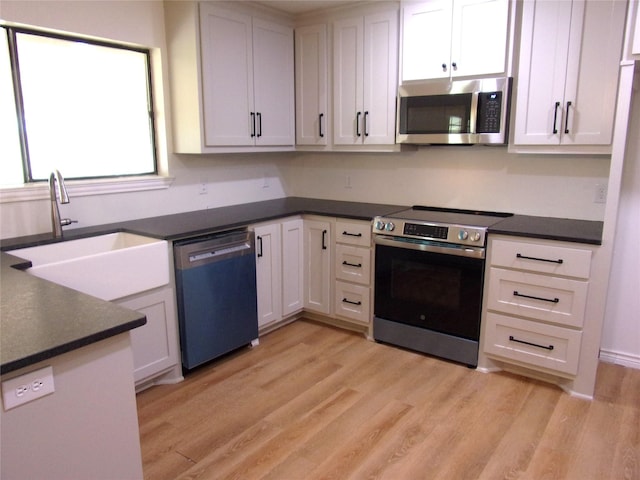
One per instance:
(356, 265)
(344, 300)
(559, 261)
(513, 339)
(551, 300)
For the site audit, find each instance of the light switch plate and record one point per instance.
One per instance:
(25, 388)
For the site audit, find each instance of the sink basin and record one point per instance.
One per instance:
(108, 266)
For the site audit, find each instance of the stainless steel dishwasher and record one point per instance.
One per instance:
(216, 295)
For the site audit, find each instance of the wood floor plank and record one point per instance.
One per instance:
(313, 401)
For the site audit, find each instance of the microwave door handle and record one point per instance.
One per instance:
(473, 116)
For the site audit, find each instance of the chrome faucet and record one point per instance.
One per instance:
(57, 192)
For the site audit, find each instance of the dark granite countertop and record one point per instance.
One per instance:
(562, 229)
(40, 319)
(200, 222)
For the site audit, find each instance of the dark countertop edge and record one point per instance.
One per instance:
(71, 346)
(587, 232)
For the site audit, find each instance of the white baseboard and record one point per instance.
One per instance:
(620, 358)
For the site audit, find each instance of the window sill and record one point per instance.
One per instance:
(84, 188)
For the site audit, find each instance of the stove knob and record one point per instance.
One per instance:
(475, 236)
(389, 227)
(463, 235)
(379, 225)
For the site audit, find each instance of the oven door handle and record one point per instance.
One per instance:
(463, 251)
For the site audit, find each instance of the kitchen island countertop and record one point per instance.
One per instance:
(41, 319)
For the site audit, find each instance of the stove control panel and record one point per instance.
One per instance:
(456, 234)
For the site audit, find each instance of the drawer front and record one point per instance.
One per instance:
(541, 258)
(353, 264)
(535, 344)
(353, 233)
(551, 299)
(352, 301)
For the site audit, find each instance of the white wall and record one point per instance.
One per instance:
(621, 334)
(477, 177)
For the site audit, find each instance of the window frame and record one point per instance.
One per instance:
(86, 185)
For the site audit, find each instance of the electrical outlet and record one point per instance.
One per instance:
(601, 193)
(203, 189)
(347, 181)
(25, 388)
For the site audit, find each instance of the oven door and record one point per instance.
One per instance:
(430, 286)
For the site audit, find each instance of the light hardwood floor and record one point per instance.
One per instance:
(315, 402)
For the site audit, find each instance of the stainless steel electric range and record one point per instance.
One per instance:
(429, 271)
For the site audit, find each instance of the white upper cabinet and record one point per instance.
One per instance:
(445, 38)
(568, 73)
(232, 78)
(365, 79)
(273, 83)
(312, 98)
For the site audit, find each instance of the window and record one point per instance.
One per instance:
(80, 106)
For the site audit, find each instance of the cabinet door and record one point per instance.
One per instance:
(273, 83)
(155, 344)
(595, 49)
(227, 76)
(479, 37)
(311, 85)
(426, 38)
(380, 78)
(543, 60)
(292, 266)
(317, 266)
(348, 74)
(268, 273)
(568, 74)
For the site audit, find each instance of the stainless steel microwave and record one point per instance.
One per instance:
(454, 112)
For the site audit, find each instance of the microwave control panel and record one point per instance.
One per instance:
(489, 112)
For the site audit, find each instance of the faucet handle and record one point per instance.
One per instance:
(67, 221)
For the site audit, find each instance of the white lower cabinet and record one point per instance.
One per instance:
(316, 264)
(292, 266)
(535, 302)
(317, 261)
(353, 272)
(155, 344)
(279, 269)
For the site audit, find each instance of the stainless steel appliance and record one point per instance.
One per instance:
(216, 293)
(458, 112)
(429, 270)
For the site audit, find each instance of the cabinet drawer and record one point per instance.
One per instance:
(352, 301)
(552, 299)
(353, 264)
(541, 258)
(533, 343)
(353, 233)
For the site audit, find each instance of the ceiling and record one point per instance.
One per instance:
(298, 7)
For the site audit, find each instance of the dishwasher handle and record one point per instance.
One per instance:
(213, 249)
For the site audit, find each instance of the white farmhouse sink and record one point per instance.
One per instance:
(108, 266)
